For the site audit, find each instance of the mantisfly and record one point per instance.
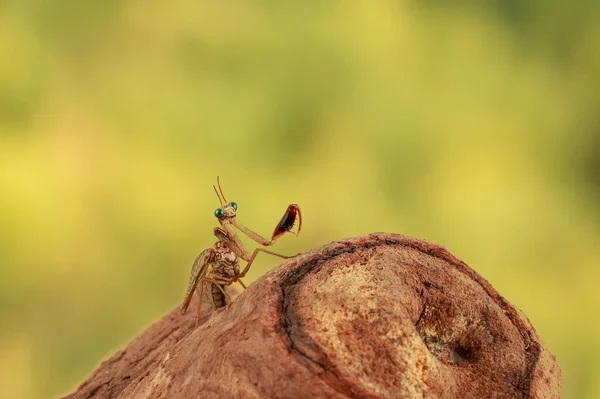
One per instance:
(223, 257)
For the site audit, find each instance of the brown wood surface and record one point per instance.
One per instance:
(380, 316)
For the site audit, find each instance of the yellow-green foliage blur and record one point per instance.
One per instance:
(473, 124)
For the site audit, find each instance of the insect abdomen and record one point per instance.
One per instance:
(218, 298)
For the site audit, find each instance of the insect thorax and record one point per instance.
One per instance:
(226, 262)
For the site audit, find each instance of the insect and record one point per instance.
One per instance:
(223, 257)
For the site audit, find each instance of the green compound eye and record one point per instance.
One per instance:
(233, 205)
(219, 213)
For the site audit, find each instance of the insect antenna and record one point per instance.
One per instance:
(216, 192)
(221, 190)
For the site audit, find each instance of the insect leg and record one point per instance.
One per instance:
(285, 225)
(256, 251)
(200, 292)
(252, 234)
(287, 222)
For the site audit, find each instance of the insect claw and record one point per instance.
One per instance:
(288, 221)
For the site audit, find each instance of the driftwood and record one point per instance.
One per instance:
(378, 316)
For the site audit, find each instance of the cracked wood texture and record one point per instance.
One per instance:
(380, 316)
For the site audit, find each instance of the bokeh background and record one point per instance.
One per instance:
(473, 124)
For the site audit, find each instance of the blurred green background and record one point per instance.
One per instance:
(473, 124)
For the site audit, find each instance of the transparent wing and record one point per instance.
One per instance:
(198, 271)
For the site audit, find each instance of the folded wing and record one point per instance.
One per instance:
(199, 269)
